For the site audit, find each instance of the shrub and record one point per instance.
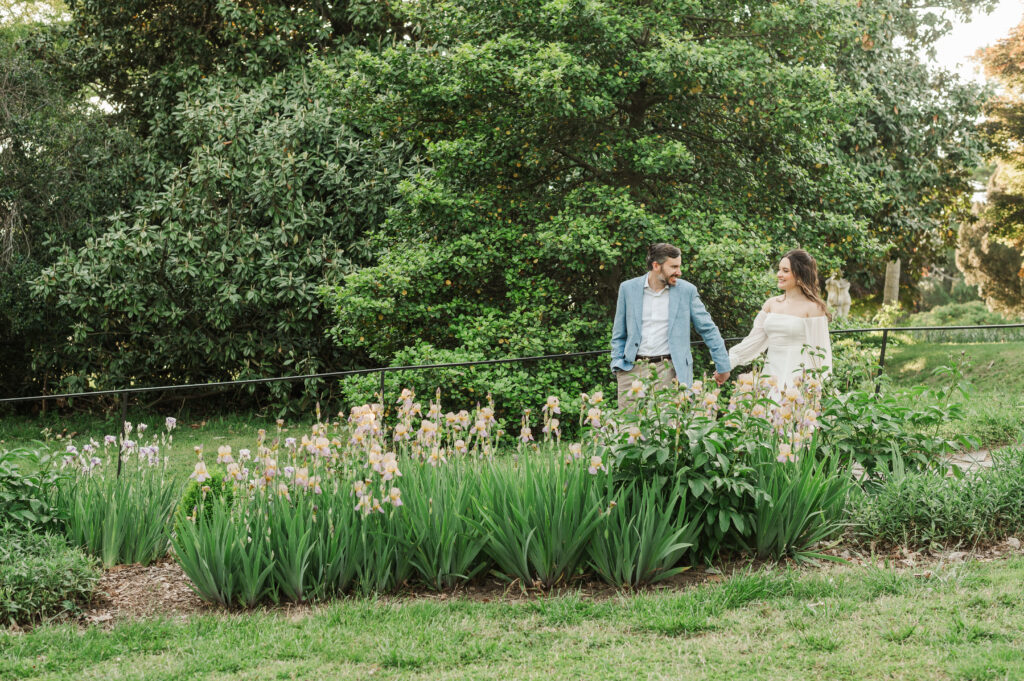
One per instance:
(41, 576)
(201, 494)
(27, 480)
(682, 435)
(973, 313)
(879, 429)
(854, 362)
(925, 509)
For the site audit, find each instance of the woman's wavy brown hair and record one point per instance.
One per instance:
(804, 267)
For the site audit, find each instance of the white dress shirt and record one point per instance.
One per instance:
(654, 332)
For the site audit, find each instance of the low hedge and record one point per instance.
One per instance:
(41, 577)
(930, 510)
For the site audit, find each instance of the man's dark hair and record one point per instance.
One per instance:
(659, 253)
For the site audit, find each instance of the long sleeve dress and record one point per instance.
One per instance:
(792, 343)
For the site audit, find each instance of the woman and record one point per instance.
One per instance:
(793, 327)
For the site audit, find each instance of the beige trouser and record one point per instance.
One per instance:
(642, 370)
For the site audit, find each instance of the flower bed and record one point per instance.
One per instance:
(383, 498)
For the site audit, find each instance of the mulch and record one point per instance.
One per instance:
(129, 591)
(163, 590)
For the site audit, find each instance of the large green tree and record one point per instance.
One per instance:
(142, 54)
(914, 136)
(255, 187)
(62, 161)
(991, 248)
(217, 273)
(564, 137)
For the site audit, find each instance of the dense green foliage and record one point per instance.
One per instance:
(202, 494)
(564, 137)
(991, 247)
(27, 480)
(1005, 127)
(913, 138)
(250, 187)
(202, 190)
(41, 576)
(925, 510)
(64, 166)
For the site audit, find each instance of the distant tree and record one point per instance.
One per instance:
(990, 249)
(913, 137)
(62, 161)
(254, 187)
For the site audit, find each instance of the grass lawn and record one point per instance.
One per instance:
(961, 621)
(995, 372)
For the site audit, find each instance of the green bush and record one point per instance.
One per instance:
(928, 509)
(854, 362)
(27, 481)
(874, 429)
(201, 495)
(676, 439)
(934, 291)
(972, 313)
(41, 576)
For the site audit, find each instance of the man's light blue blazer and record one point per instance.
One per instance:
(685, 307)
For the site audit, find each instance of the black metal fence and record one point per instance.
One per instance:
(124, 394)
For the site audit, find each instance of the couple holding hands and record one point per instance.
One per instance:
(654, 313)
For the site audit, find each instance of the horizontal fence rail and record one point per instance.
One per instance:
(383, 371)
(124, 393)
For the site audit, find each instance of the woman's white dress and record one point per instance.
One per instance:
(793, 344)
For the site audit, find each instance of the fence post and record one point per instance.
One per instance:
(881, 359)
(124, 419)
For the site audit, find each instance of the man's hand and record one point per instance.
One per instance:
(721, 378)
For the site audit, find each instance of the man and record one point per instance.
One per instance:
(652, 326)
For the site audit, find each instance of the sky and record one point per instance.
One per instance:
(954, 50)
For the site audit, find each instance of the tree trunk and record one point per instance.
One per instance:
(891, 292)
